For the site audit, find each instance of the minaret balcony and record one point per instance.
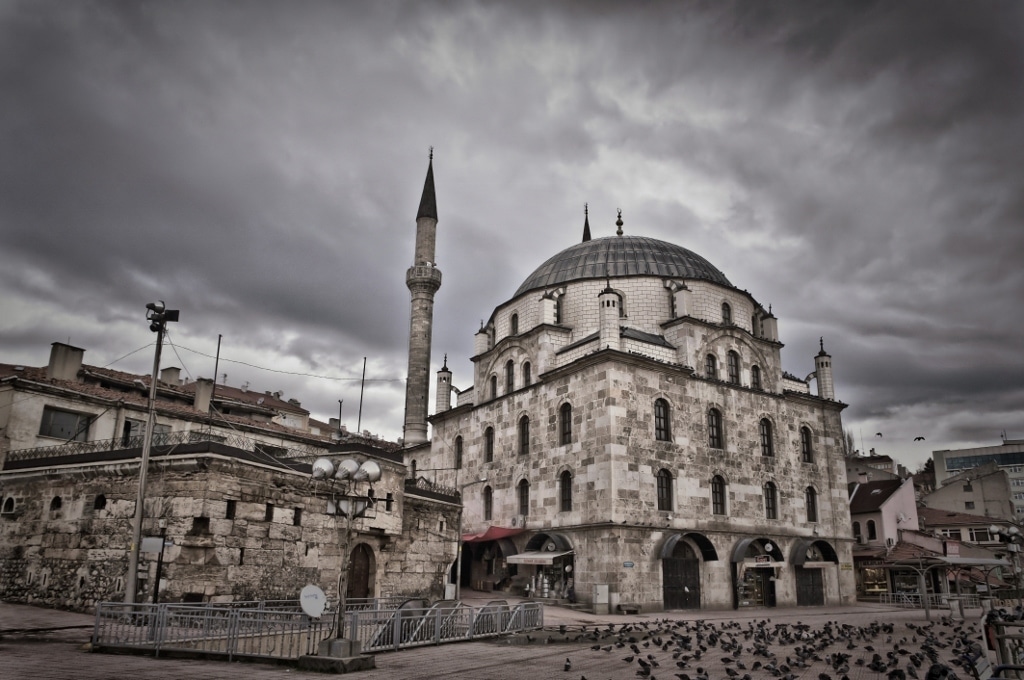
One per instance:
(423, 275)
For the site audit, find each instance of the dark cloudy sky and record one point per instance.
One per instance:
(856, 165)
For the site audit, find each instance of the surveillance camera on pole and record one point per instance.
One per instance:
(158, 316)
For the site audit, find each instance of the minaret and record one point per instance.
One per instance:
(608, 318)
(423, 280)
(444, 388)
(823, 370)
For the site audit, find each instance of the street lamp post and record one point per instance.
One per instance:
(1013, 538)
(350, 506)
(158, 316)
(458, 539)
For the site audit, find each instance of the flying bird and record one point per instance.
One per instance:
(918, 439)
(878, 434)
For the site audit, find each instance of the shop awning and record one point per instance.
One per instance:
(492, 534)
(537, 557)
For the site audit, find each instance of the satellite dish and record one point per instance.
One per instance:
(322, 468)
(313, 601)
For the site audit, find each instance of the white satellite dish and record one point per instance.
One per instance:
(313, 601)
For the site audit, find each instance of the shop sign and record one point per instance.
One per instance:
(762, 559)
(846, 566)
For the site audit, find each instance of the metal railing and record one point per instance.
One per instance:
(293, 449)
(444, 621)
(280, 630)
(275, 632)
(934, 600)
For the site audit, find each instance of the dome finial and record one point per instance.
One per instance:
(431, 154)
(586, 223)
(618, 223)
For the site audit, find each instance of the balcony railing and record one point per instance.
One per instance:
(78, 448)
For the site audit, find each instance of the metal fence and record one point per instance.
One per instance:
(934, 600)
(280, 630)
(272, 632)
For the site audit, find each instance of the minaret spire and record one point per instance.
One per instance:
(423, 279)
(586, 224)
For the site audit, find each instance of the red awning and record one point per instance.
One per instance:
(492, 534)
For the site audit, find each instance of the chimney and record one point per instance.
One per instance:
(65, 362)
(204, 394)
(171, 375)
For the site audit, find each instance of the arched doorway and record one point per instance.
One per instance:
(755, 564)
(680, 576)
(807, 557)
(361, 571)
(680, 569)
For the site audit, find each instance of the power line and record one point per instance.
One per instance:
(275, 370)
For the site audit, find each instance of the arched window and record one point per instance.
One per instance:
(715, 439)
(9, 504)
(664, 489)
(565, 424)
(524, 497)
(489, 445)
(872, 533)
(755, 327)
(726, 314)
(662, 421)
(856, 529)
(717, 495)
(711, 367)
(565, 491)
(811, 501)
(755, 377)
(56, 503)
(513, 324)
(458, 452)
(771, 501)
(527, 374)
(494, 387)
(100, 502)
(806, 453)
(734, 367)
(488, 503)
(524, 435)
(767, 447)
(510, 377)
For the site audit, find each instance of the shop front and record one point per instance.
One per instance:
(546, 567)
(756, 564)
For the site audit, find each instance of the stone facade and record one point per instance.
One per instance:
(620, 497)
(234, 531)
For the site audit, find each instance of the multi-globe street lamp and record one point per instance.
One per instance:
(1013, 538)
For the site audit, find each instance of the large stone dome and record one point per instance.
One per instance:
(618, 256)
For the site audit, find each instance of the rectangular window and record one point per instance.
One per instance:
(969, 505)
(65, 425)
(968, 488)
(950, 533)
(268, 516)
(389, 502)
(297, 517)
(980, 535)
(229, 512)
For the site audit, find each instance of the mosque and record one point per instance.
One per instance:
(630, 440)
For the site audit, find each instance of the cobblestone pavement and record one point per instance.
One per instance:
(45, 644)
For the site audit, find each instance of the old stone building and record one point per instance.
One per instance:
(640, 441)
(229, 491)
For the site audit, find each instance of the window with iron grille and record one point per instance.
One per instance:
(711, 367)
(767, 447)
(527, 374)
(717, 495)
(734, 367)
(811, 501)
(524, 497)
(510, 377)
(565, 489)
(726, 314)
(662, 421)
(806, 453)
(565, 424)
(771, 501)
(664, 489)
(524, 436)
(755, 377)
(458, 452)
(489, 445)
(715, 439)
(488, 503)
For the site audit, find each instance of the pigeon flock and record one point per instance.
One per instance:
(761, 650)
